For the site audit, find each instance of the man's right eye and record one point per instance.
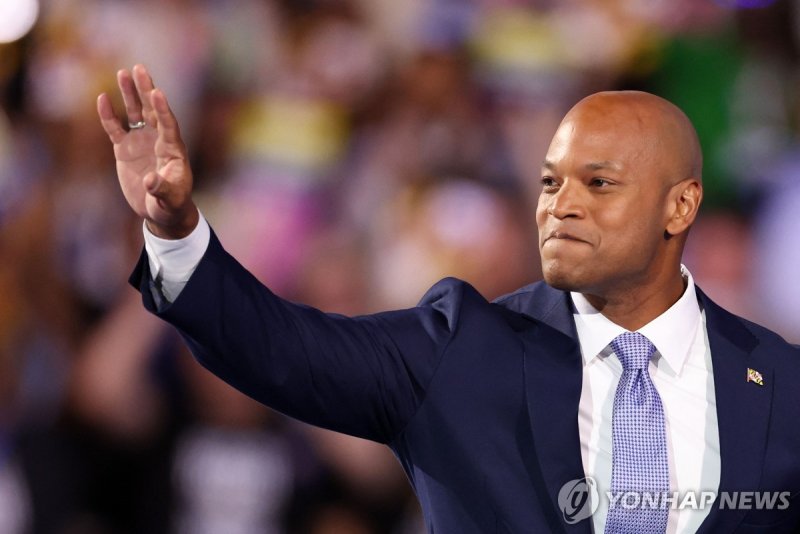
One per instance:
(548, 181)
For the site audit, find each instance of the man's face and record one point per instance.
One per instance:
(602, 209)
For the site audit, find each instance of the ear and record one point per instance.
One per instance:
(683, 204)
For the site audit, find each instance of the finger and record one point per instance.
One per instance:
(157, 186)
(109, 119)
(166, 194)
(168, 127)
(133, 104)
(144, 88)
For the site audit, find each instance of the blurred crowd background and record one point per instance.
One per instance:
(350, 153)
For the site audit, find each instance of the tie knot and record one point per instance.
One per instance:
(633, 350)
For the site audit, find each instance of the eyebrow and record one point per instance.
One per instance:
(594, 166)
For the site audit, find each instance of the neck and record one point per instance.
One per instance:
(632, 308)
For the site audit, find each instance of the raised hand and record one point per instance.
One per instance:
(152, 163)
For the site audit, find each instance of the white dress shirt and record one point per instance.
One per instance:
(172, 261)
(681, 371)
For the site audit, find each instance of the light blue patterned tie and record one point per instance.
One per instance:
(639, 442)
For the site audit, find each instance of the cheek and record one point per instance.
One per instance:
(627, 234)
(616, 230)
(541, 215)
(541, 209)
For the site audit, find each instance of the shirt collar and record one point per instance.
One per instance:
(672, 332)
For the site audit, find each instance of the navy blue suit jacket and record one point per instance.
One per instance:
(478, 400)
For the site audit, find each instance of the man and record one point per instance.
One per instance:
(616, 368)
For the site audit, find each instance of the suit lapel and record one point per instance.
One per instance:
(743, 409)
(553, 380)
(553, 370)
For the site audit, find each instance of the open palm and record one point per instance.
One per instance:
(152, 163)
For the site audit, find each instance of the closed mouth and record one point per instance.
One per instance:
(565, 236)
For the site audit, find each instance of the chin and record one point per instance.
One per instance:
(560, 276)
(570, 275)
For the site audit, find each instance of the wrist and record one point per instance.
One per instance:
(182, 228)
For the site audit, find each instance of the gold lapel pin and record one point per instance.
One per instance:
(755, 376)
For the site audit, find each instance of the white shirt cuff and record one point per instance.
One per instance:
(172, 261)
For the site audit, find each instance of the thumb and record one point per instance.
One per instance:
(169, 213)
(157, 186)
(167, 194)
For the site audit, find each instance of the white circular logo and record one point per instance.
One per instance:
(578, 499)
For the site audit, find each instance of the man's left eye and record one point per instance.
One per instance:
(600, 182)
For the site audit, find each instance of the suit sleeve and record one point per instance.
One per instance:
(365, 376)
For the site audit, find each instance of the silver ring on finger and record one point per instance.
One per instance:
(138, 125)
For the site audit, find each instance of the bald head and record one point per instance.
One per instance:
(621, 188)
(654, 125)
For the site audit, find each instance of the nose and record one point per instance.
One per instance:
(566, 202)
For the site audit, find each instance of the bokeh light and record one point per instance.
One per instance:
(17, 17)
